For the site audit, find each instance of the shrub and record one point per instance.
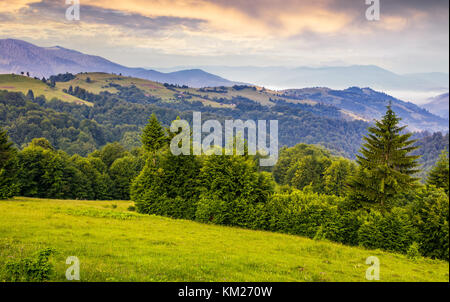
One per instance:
(36, 268)
(301, 213)
(320, 234)
(8, 180)
(369, 234)
(413, 252)
(392, 231)
(170, 189)
(431, 217)
(343, 226)
(122, 172)
(213, 210)
(231, 190)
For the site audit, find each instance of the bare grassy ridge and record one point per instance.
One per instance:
(100, 82)
(114, 244)
(18, 83)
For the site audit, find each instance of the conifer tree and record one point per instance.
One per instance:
(30, 94)
(385, 166)
(153, 136)
(438, 176)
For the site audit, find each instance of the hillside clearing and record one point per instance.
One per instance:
(18, 83)
(114, 244)
(208, 96)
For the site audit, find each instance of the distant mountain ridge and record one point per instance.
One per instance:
(336, 77)
(370, 104)
(19, 56)
(355, 103)
(438, 105)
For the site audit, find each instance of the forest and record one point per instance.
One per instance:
(80, 129)
(375, 201)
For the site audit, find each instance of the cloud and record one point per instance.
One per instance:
(237, 18)
(53, 10)
(246, 18)
(5, 17)
(237, 32)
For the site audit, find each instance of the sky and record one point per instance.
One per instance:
(411, 35)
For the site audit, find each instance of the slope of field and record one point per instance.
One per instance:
(354, 103)
(18, 83)
(100, 81)
(114, 244)
(209, 96)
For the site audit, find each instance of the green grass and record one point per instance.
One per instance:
(100, 82)
(114, 244)
(18, 83)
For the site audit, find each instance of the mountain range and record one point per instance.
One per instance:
(368, 104)
(365, 104)
(354, 103)
(18, 56)
(335, 77)
(438, 105)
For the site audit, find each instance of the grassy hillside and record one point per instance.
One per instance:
(114, 244)
(100, 82)
(18, 83)
(354, 103)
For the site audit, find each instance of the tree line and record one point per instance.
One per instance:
(375, 202)
(39, 170)
(124, 113)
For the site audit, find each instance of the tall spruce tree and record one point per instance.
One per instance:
(385, 166)
(438, 176)
(153, 136)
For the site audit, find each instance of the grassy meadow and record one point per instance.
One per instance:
(19, 83)
(100, 82)
(116, 244)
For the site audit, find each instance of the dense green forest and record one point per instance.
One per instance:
(80, 129)
(375, 202)
(73, 128)
(431, 146)
(346, 181)
(39, 170)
